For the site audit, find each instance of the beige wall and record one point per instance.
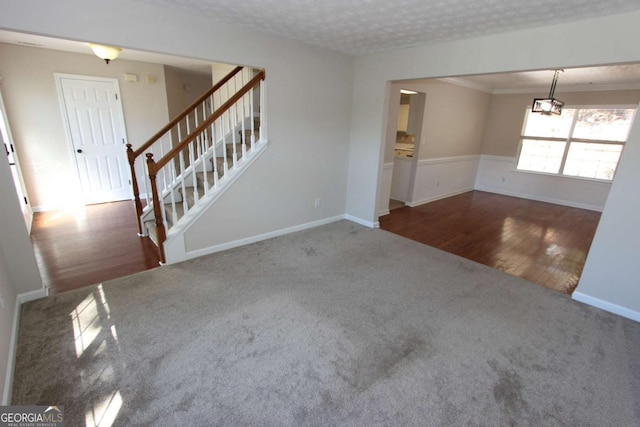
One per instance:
(34, 114)
(403, 117)
(453, 123)
(18, 269)
(219, 70)
(8, 295)
(173, 86)
(454, 119)
(506, 115)
(183, 87)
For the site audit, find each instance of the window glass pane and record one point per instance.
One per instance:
(541, 156)
(591, 160)
(549, 126)
(604, 124)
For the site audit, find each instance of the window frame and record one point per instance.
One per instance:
(568, 140)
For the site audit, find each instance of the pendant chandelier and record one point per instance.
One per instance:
(549, 105)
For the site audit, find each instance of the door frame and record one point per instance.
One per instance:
(65, 119)
(393, 113)
(21, 187)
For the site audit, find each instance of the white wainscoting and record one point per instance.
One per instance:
(385, 190)
(444, 177)
(497, 174)
(401, 179)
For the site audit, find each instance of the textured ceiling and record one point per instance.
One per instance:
(41, 42)
(367, 26)
(610, 77)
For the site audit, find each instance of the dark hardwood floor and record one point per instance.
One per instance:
(90, 245)
(541, 242)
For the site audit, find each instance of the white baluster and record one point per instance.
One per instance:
(243, 135)
(233, 135)
(165, 184)
(163, 210)
(179, 134)
(263, 123)
(204, 119)
(230, 128)
(181, 169)
(225, 168)
(145, 181)
(252, 124)
(172, 168)
(203, 162)
(192, 166)
(185, 208)
(197, 149)
(214, 160)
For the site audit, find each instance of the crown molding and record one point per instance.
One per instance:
(573, 88)
(459, 81)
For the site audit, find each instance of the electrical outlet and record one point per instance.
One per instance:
(1, 302)
(316, 203)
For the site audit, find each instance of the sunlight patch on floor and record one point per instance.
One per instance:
(104, 413)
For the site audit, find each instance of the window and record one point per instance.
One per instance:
(581, 142)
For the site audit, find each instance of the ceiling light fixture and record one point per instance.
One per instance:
(108, 53)
(549, 105)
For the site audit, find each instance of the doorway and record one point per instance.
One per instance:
(406, 147)
(6, 139)
(94, 124)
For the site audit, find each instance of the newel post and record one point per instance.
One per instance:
(157, 210)
(134, 183)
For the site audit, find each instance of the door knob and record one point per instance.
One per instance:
(79, 150)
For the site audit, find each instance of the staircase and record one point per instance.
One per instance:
(193, 194)
(200, 153)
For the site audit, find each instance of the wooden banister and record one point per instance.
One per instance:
(186, 111)
(215, 116)
(154, 167)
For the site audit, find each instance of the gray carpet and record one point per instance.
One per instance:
(339, 325)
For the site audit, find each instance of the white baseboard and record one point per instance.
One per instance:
(174, 245)
(361, 221)
(260, 237)
(438, 197)
(13, 343)
(33, 295)
(606, 306)
(384, 212)
(45, 208)
(540, 199)
(11, 357)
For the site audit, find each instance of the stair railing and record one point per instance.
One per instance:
(202, 158)
(167, 137)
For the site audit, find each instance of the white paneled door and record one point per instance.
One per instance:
(95, 125)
